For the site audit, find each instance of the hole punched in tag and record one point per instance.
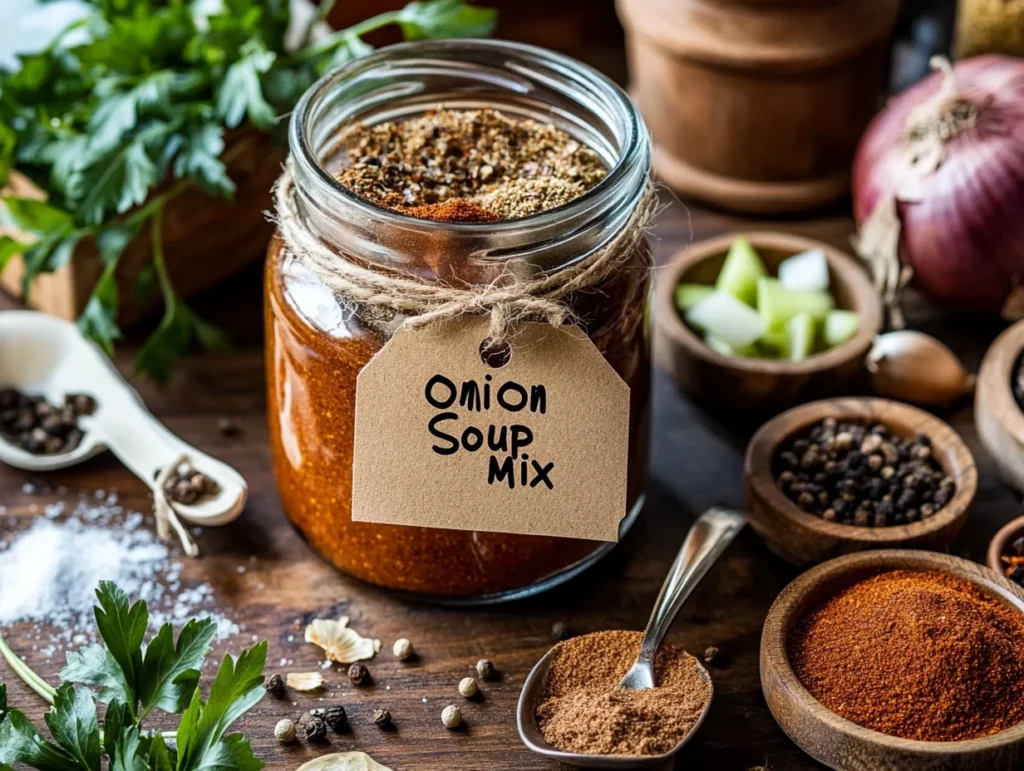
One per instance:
(495, 355)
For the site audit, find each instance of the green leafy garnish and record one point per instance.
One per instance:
(133, 679)
(113, 128)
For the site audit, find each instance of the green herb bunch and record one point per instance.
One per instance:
(114, 127)
(133, 679)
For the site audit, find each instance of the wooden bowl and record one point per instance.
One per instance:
(1000, 544)
(805, 539)
(840, 743)
(999, 419)
(754, 385)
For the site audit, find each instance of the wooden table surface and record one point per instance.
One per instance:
(696, 461)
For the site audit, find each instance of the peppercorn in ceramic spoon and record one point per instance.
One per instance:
(707, 539)
(43, 356)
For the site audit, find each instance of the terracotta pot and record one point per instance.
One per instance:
(757, 105)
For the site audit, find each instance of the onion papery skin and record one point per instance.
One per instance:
(964, 237)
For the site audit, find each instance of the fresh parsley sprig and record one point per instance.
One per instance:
(133, 679)
(113, 128)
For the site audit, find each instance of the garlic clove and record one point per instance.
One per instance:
(914, 367)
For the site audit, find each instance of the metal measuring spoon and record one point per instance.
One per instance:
(707, 539)
(49, 356)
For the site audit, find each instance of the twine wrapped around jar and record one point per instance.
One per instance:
(509, 299)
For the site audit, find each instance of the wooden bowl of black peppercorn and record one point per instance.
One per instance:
(851, 510)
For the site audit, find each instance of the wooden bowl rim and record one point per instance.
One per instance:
(994, 377)
(841, 265)
(791, 602)
(957, 460)
(997, 546)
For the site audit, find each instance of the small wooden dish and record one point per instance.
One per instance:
(840, 743)
(1000, 544)
(805, 539)
(998, 417)
(748, 385)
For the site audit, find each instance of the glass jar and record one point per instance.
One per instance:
(317, 343)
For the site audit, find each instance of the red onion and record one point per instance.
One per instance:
(938, 184)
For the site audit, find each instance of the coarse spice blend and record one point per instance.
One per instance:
(915, 654)
(582, 710)
(446, 167)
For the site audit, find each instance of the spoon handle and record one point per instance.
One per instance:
(710, 535)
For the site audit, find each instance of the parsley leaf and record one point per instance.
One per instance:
(170, 672)
(445, 18)
(20, 742)
(241, 93)
(139, 111)
(73, 725)
(238, 687)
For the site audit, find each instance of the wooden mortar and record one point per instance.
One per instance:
(757, 106)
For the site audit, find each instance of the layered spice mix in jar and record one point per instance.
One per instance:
(432, 182)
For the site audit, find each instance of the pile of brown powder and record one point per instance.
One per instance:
(507, 167)
(921, 655)
(581, 710)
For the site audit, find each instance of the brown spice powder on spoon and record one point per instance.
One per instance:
(582, 710)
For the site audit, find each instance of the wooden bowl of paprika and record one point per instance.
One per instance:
(841, 590)
(803, 538)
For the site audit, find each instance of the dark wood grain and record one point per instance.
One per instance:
(696, 461)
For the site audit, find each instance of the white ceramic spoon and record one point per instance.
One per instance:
(41, 354)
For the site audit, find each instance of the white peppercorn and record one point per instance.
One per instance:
(402, 649)
(485, 669)
(451, 716)
(285, 731)
(468, 687)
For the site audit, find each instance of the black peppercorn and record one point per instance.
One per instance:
(845, 472)
(560, 631)
(358, 674)
(274, 685)
(335, 718)
(382, 717)
(315, 729)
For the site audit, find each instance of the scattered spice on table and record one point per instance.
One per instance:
(334, 716)
(359, 674)
(402, 649)
(315, 729)
(915, 654)
(581, 709)
(274, 685)
(468, 687)
(284, 731)
(382, 718)
(560, 631)
(468, 166)
(451, 717)
(36, 426)
(485, 669)
(710, 654)
(862, 475)
(188, 486)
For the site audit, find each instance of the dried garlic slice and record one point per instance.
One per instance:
(305, 681)
(343, 761)
(340, 643)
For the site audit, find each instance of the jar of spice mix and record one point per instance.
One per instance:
(318, 342)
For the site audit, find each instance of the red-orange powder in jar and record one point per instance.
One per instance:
(317, 344)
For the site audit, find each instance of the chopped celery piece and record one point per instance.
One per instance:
(775, 343)
(688, 295)
(807, 271)
(722, 315)
(840, 326)
(729, 350)
(777, 305)
(740, 272)
(800, 330)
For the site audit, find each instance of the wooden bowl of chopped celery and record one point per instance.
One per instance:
(758, 322)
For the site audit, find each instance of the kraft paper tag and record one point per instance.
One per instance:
(538, 446)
